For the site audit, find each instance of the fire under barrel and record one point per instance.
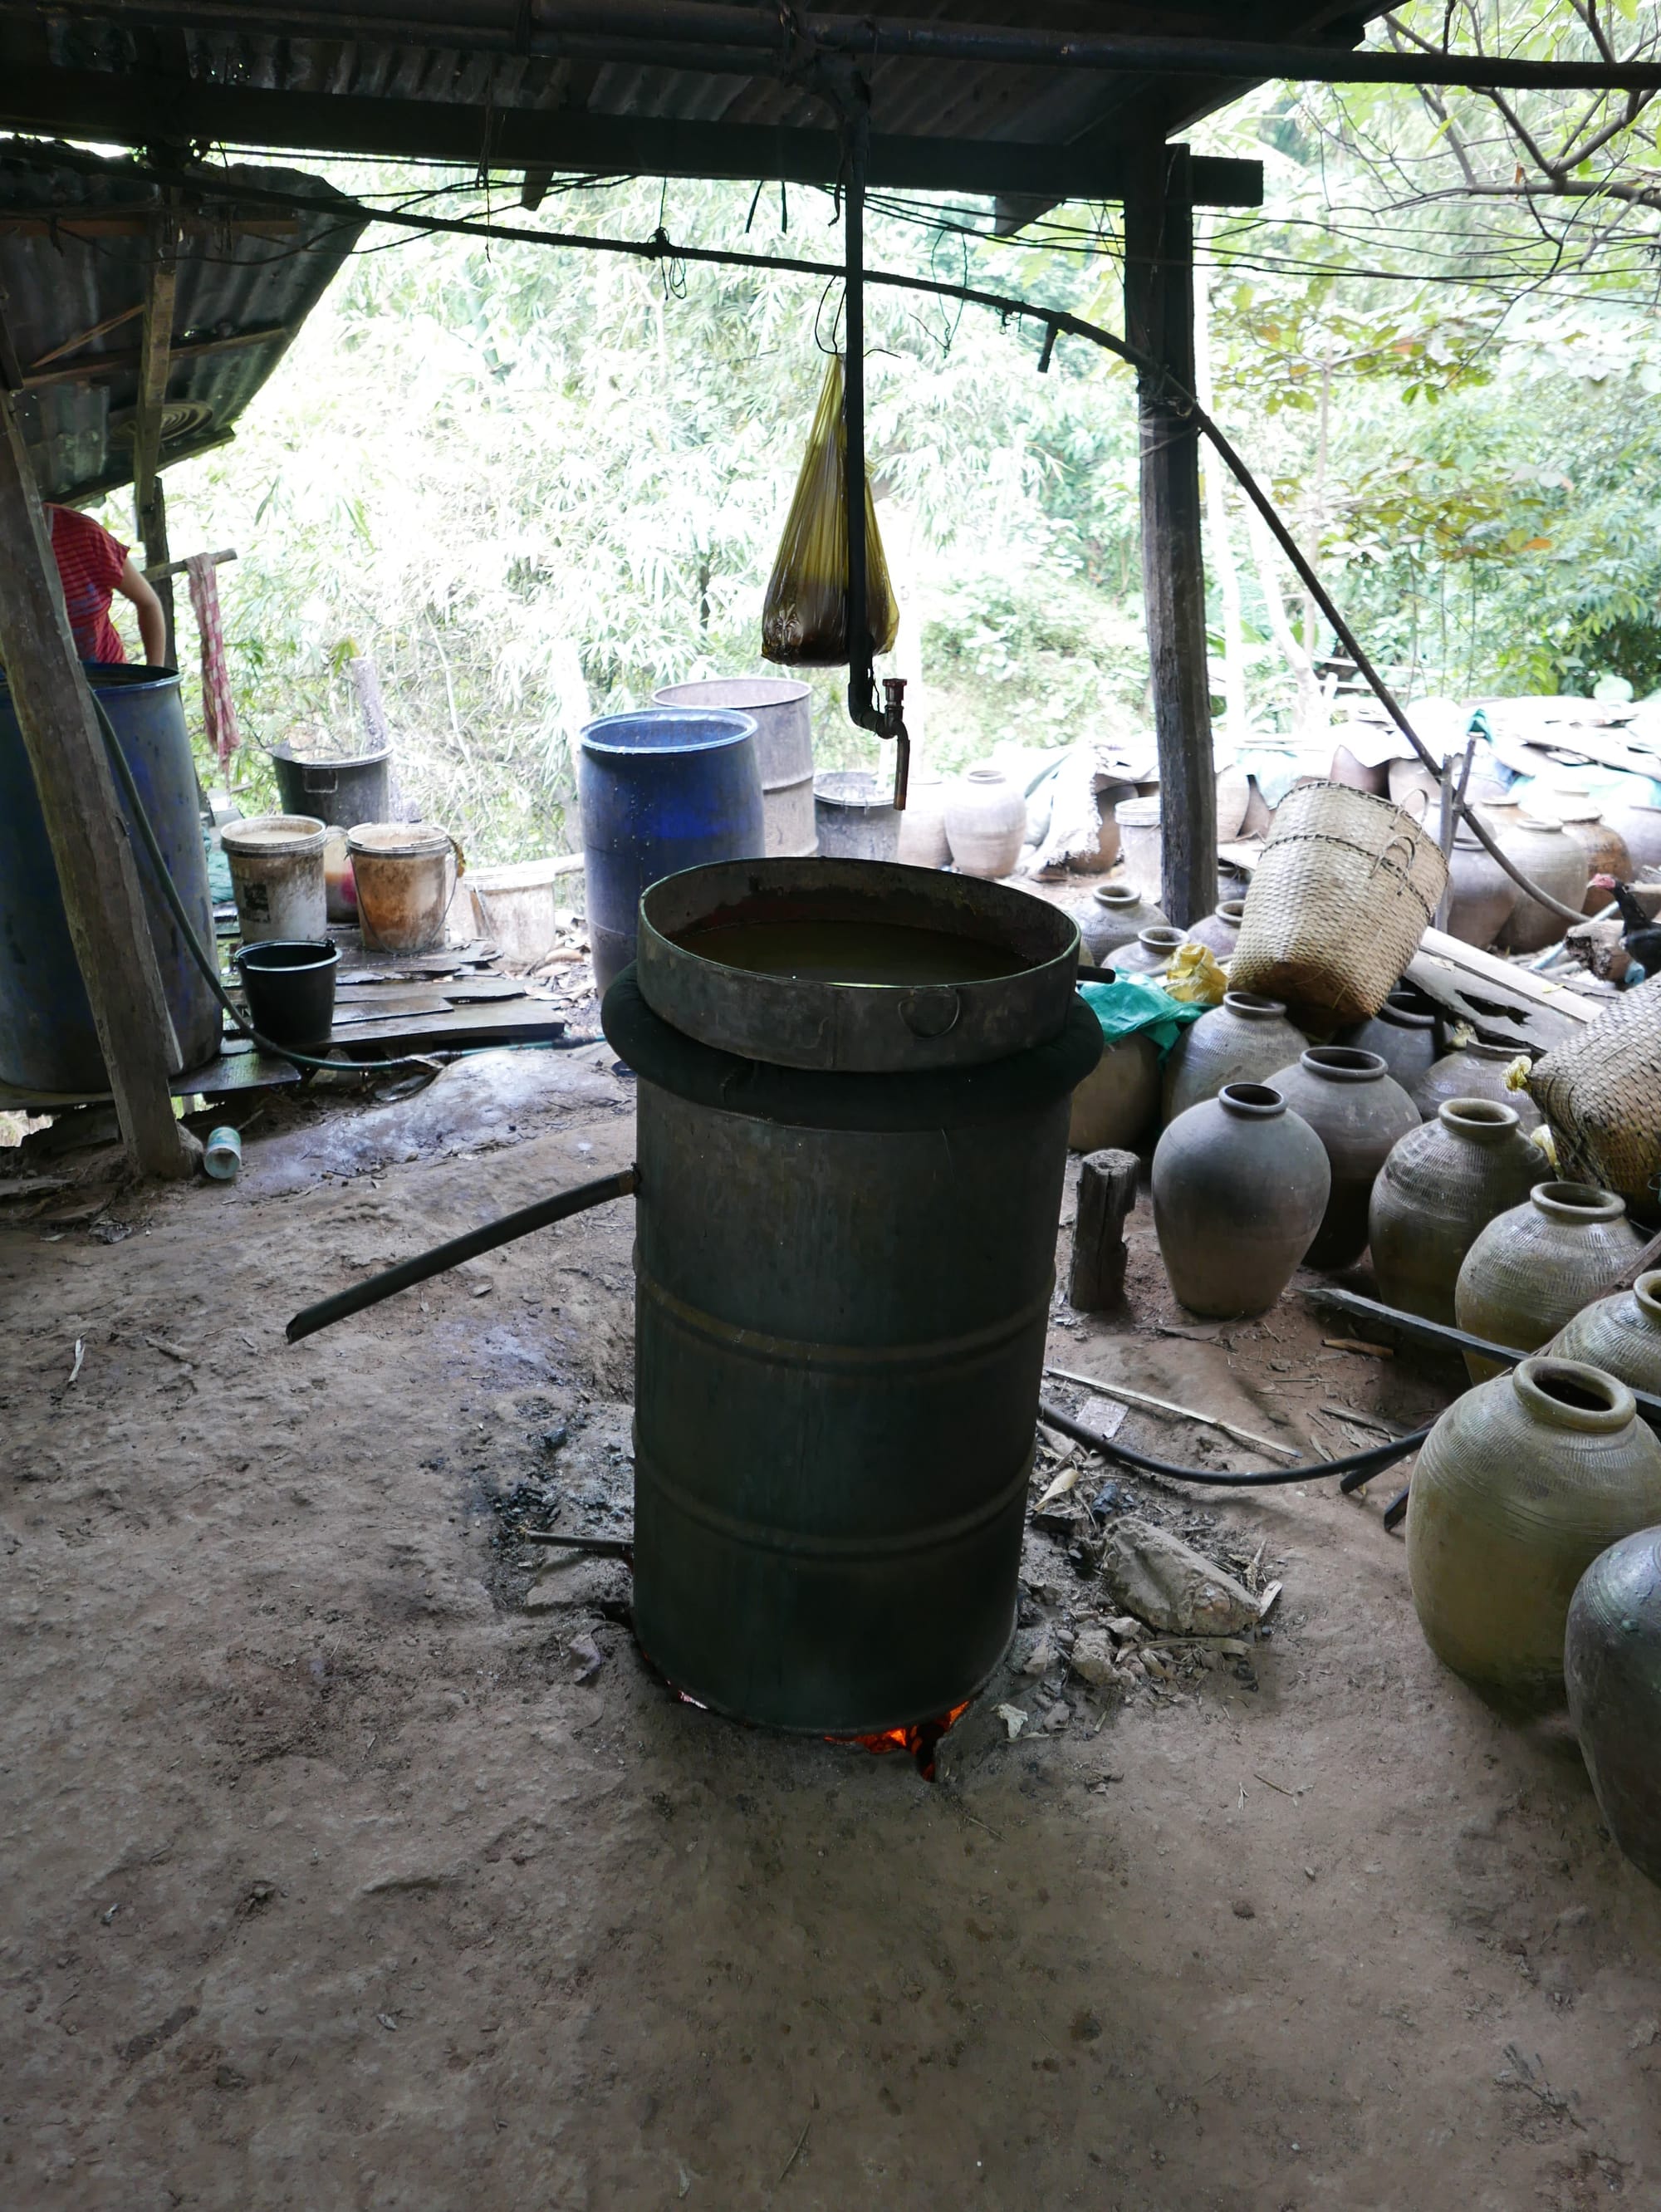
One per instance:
(854, 1082)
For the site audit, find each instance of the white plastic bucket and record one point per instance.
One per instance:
(516, 903)
(277, 874)
(405, 873)
(1139, 836)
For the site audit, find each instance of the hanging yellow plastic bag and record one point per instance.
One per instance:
(804, 621)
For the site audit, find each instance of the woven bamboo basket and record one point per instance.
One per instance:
(1347, 886)
(1601, 1094)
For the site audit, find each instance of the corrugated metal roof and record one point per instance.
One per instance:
(75, 247)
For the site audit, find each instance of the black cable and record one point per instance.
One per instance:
(1355, 1468)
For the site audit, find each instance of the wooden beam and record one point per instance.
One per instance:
(85, 337)
(177, 567)
(154, 360)
(122, 359)
(96, 872)
(1159, 319)
(32, 224)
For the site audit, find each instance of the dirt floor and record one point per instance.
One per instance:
(349, 1861)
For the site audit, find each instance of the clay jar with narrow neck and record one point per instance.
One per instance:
(1534, 1266)
(923, 842)
(1240, 1187)
(1612, 1664)
(1220, 929)
(1550, 857)
(1442, 1186)
(1519, 1486)
(1620, 1334)
(1404, 1038)
(1117, 915)
(1480, 892)
(1242, 1041)
(1473, 1071)
(985, 823)
(1639, 826)
(1360, 1113)
(1151, 953)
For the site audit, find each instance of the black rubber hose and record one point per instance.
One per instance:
(1355, 1468)
(240, 1023)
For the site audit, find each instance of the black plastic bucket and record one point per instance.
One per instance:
(341, 792)
(290, 983)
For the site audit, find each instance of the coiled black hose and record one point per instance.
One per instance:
(1355, 1468)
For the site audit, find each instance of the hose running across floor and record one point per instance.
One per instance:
(1355, 1467)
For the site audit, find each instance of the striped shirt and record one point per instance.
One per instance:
(89, 561)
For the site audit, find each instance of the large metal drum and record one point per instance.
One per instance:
(843, 1290)
(781, 709)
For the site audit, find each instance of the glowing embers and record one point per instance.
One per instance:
(921, 1738)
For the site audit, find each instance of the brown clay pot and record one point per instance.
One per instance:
(1638, 827)
(1347, 769)
(1622, 1334)
(1442, 1186)
(1519, 1486)
(1116, 916)
(1242, 1041)
(1359, 1113)
(1239, 1186)
(1473, 1070)
(1404, 1038)
(985, 823)
(1548, 856)
(1259, 814)
(1234, 797)
(1481, 894)
(1612, 1666)
(1118, 1101)
(1535, 1265)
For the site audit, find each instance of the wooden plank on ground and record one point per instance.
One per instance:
(526, 1021)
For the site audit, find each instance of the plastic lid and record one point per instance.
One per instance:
(274, 833)
(1138, 812)
(399, 840)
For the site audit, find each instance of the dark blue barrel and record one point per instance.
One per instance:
(662, 789)
(47, 1041)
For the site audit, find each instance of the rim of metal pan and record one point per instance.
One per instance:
(848, 1028)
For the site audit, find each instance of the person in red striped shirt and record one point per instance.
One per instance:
(94, 565)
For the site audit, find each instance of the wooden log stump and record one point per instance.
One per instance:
(1107, 1192)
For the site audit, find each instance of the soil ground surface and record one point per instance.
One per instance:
(353, 1857)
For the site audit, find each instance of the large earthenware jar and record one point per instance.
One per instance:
(1151, 953)
(1404, 1038)
(1535, 1265)
(1638, 824)
(1242, 1041)
(1240, 1187)
(1548, 856)
(1221, 929)
(1480, 892)
(1360, 1113)
(1439, 1190)
(1118, 1101)
(1116, 916)
(1473, 1071)
(923, 842)
(1621, 1334)
(1518, 1487)
(1234, 797)
(1612, 1664)
(1601, 847)
(985, 823)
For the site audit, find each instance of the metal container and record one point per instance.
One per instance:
(342, 793)
(797, 1022)
(856, 818)
(48, 1043)
(781, 709)
(843, 1290)
(661, 789)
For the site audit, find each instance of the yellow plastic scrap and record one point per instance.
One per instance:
(1517, 1074)
(1542, 1139)
(1194, 977)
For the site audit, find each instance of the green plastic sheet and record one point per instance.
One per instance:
(1128, 1006)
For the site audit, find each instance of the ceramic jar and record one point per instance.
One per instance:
(985, 823)
(1139, 837)
(1151, 953)
(1117, 915)
(1622, 1334)
(1118, 1101)
(1221, 929)
(1534, 1266)
(1519, 1486)
(1638, 827)
(1612, 1666)
(1240, 1187)
(1234, 797)
(1604, 850)
(1242, 1041)
(1356, 774)
(922, 841)
(1404, 1038)
(1473, 1071)
(1259, 818)
(1360, 1113)
(1440, 1189)
(1548, 856)
(1480, 892)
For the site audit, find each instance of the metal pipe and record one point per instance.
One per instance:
(862, 690)
(542, 1215)
(717, 37)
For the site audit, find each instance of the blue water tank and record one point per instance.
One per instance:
(47, 1040)
(662, 788)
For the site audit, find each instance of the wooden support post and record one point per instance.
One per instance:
(96, 872)
(1159, 320)
(154, 358)
(1107, 1192)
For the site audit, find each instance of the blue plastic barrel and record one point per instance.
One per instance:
(662, 789)
(47, 1040)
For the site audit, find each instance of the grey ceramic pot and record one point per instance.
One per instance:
(1240, 1187)
(1473, 1071)
(1404, 1039)
(1612, 1665)
(1361, 1113)
(1242, 1041)
(1440, 1189)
